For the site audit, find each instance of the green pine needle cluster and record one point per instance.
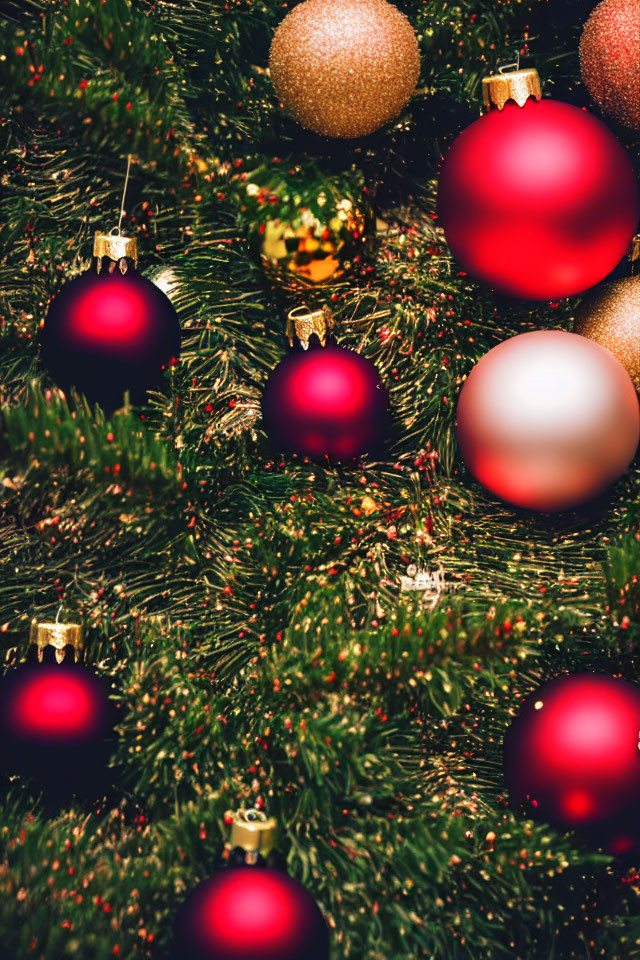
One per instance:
(247, 609)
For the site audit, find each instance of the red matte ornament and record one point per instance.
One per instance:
(538, 201)
(108, 332)
(328, 402)
(55, 726)
(52, 705)
(56, 722)
(251, 913)
(572, 756)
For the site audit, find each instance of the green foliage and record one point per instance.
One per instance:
(247, 609)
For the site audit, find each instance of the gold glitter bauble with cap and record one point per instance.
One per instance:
(343, 68)
(611, 317)
(610, 59)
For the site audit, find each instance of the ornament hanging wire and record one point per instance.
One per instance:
(114, 245)
(505, 65)
(116, 230)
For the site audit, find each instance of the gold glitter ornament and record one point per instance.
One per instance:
(343, 68)
(610, 59)
(611, 317)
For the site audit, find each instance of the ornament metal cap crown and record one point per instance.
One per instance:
(519, 85)
(58, 636)
(254, 832)
(115, 246)
(303, 323)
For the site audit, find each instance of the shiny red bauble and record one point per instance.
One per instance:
(250, 913)
(56, 721)
(326, 402)
(106, 334)
(538, 202)
(572, 755)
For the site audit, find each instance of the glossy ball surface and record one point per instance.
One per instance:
(326, 402)
(55, 725)
(548, 420)
(538, 202)
(250, 913)
(571, 754)
(106, 333)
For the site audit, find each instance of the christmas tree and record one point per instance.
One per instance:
(340, 643)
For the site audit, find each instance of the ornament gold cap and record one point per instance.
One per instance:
(303, 323)
(518, 85)
(115, 246)
(253, 831)
(635, 254)
(58, 636)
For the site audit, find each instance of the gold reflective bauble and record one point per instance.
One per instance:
(312, 248)
(611, 317)
(343, 68)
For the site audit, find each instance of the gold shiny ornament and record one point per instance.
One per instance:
(343, 68)
(611, 317)
(58, 636)
(315, 248)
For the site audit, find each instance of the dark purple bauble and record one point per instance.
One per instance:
(250, 913)
(327, 402)
(572, 756)
(56, 723)
(106, 334)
